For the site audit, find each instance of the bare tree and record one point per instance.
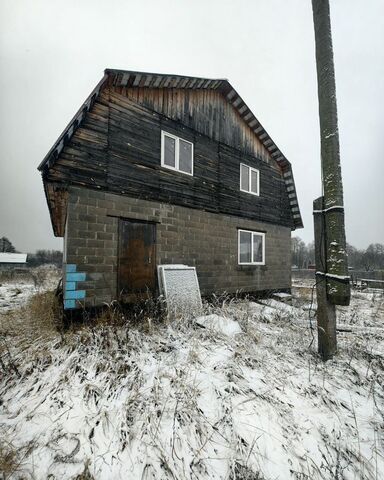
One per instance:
(298, 251)
(373, 257)
(6, 245)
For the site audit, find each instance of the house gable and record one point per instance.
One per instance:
(96, 148)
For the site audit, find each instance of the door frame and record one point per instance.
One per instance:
(133, 298)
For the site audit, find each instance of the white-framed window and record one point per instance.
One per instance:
(249, 179)
(251, 247)
(176, 153)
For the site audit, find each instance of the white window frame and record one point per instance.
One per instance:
(250, 169)
(177, 152)
(254, 233)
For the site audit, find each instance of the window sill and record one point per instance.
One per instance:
(172, 169)
(250, 193)
(247, 268)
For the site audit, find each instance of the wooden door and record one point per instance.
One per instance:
(137, 263)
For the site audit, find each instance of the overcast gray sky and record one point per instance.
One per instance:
(52, 53)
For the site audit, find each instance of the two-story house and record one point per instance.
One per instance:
(166, 169)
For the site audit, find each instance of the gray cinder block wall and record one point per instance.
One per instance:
(194, 237)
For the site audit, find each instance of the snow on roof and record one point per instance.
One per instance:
(6, 257)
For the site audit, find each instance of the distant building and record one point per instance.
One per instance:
(9, 261)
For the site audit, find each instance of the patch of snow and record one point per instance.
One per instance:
(332, 275)
(281, 307)
(13, 295)
(330, 135)
(262, 312)
(219, 324)
(282, 295)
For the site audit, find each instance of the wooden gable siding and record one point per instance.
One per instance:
(117, 148)
(84, 159)
(205, 111)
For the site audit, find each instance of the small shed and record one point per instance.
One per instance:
(9, 261)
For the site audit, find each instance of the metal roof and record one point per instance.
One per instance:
(126, 78)
(6, 257)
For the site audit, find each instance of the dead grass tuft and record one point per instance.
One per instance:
(44, 311)
(86, 474)
(40, 318)
(111, 314)
(242, 472)
(9, 462)
(141, 316)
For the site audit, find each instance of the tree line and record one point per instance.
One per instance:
(43, 257)
(372, 258)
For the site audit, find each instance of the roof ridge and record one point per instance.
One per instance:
(136, 72)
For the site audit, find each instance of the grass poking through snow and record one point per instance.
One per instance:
(176, 400)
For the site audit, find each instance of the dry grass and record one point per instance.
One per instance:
(9, 462)
(28, 329)
(86, 474)
(242, 472)
(39, 276)
(131, 387)
(44, 311)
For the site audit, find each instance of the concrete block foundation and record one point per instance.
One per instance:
(205, 240)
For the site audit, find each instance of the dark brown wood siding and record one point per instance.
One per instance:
(205, 111)
(118, 149)
(84, 160)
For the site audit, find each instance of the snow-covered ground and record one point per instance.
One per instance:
(14, 293)
(237, 394)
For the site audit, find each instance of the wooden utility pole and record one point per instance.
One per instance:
(326, 311)
(331, 262)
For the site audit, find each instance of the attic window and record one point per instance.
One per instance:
(251, 247)
(249, 179)
(176, 153)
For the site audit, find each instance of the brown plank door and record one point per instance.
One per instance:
(137, 262)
